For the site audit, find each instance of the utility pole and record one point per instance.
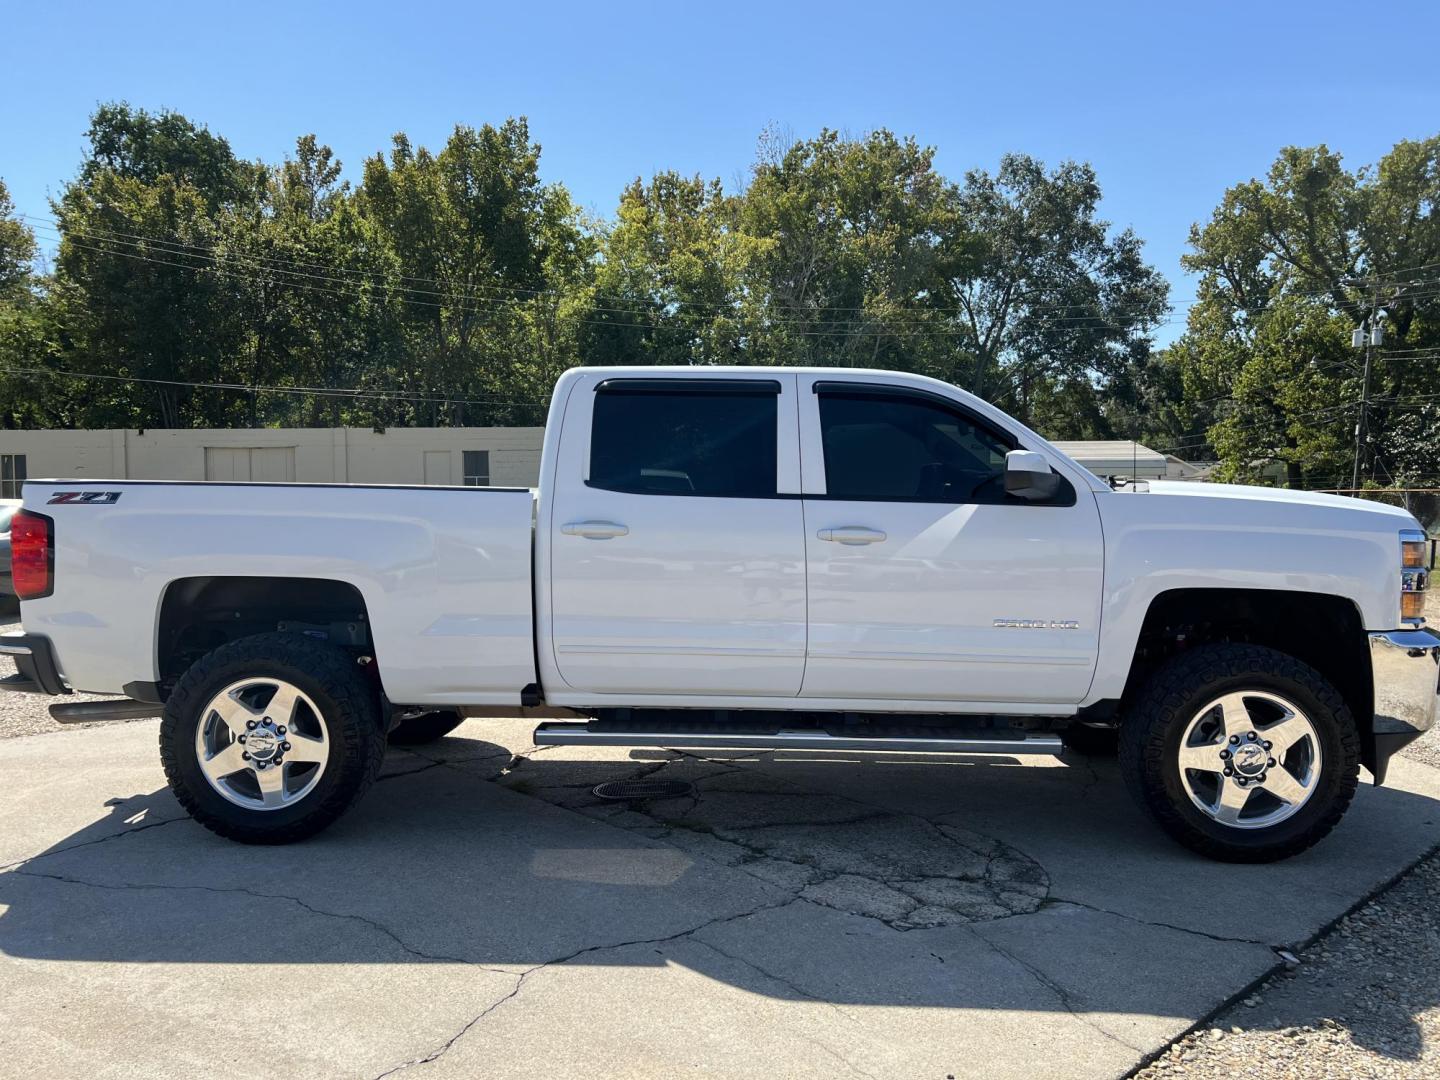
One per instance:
(1370, 336)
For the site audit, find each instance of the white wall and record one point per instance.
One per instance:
(1115, 458)
(322, 455)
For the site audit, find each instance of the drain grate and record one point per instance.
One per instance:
(635, 790)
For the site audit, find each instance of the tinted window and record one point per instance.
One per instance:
(12, 475)
(898, 447)
(476, 465)
(684, 442)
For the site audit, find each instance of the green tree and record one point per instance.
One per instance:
(1288, 267)
(17, 251)
(845, 237)
(478, 254)
(294, 258)
(29, 332)
(672, 286)
(1053, 313)
(856, 252)
(142, 229)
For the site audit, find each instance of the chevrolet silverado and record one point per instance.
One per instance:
(745, 558)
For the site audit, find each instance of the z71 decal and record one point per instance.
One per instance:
(103, 497)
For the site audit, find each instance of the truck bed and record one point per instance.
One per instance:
(444, 573)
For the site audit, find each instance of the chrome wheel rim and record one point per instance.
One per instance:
(262, 744)
(1250, 759)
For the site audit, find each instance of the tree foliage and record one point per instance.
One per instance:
(192, 287)
(1289, 267)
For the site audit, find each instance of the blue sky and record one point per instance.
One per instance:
(1171, 103)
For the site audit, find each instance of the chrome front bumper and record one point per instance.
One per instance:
(1406, 669)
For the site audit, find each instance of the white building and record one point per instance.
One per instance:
(503, 457)
(1118, 457)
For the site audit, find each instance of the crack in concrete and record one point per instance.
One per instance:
(430, 764)
(1060, 900)
(521, 978)
(446, 1046)
(902, 869)
(1061, 994)
(755, 853)
(381, 928)
(256, 894)
(9, 867)
(800, 992)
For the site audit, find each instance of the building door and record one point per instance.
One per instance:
(227, 463)
(240, 464)
(273, 464)
(437, 466)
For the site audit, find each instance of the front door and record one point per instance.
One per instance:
(926, 580)
(676, 538)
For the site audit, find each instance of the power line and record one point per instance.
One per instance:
(309, 391)
(343, 286)
(56, 225)
(358, 292)
(1198, 441)
(280, 264)
(1405, 269)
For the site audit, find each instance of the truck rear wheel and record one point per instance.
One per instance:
(270, 738)
(1241, 752)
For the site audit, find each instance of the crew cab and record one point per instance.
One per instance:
(746, 558)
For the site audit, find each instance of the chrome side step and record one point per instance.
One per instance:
(89, 712)
(560, 734)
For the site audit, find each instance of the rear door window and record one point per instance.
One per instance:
(708, 438)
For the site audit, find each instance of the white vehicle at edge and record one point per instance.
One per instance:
(746, 557)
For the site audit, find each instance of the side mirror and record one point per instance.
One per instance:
(1029, 476)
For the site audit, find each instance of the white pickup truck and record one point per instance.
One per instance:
(745, 558)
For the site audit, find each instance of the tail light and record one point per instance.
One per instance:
(32, 554)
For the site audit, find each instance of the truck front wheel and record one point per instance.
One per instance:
(1240, 752)
(270, 738)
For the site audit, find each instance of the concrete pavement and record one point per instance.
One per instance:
(801, 915)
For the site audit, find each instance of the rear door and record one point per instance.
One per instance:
(676, 543)
(926, 580)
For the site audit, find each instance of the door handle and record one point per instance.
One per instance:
(852, 534)
(594, 530)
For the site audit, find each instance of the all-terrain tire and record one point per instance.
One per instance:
(335, 684)
(1150, 737)
(425, 728)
